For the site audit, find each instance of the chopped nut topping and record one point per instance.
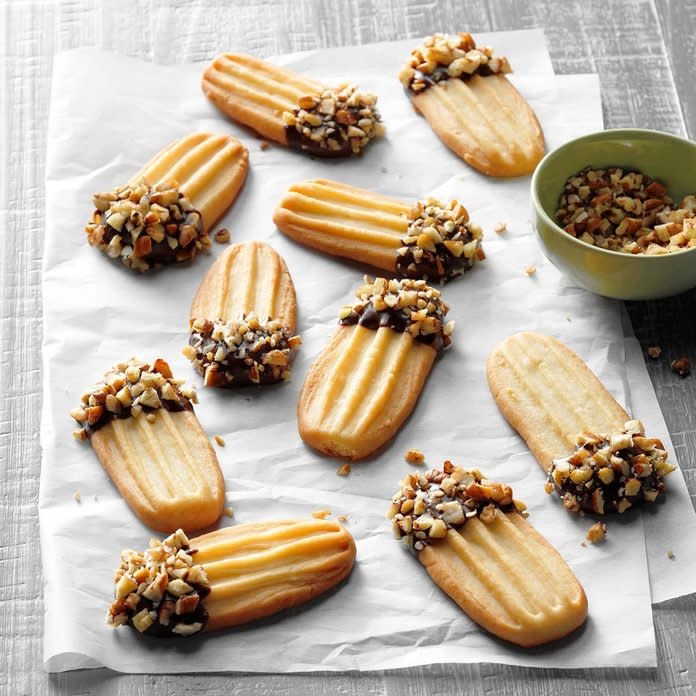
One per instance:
(228, 512)
(402, 305)
(219, 441)
(321, 514)
(429, 504)
(440, 242)
(160, 591)
(626, 211)
(607, 474)
(443, 56)
(146, 226)
(222, 236)
(654, 352)
(414, 456)
(681, 366)
(597, 533)
(530, 270)
(500, 228)
(334, 123)
(344, 469)
(130, 389)
(247, 351)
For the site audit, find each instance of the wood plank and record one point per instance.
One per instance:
(658, 323)
(678, 24)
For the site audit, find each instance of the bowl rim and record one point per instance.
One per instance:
(600, 135)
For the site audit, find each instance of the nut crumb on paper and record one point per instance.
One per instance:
(228, 512)
(321, 514)
(415, 457)
(77, 496)
(500, 227)
(597, 533)
(220, 440)
(344, 469)
(222, 236)
(670, 555)
(530, 270)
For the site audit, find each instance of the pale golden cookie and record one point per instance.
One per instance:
(209, 169)
(245, 278)
(292, 109)
(481, 551)
(243, 319)
(143, 429)
(231, 576)
(464, 95)
(163, 215)
(365, 383)
(597, 459)
(428, 240)
(256, 93)
(549, 395)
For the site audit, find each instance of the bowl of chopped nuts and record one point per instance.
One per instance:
(616, 211)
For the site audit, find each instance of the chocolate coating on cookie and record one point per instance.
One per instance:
(443, 57)
(441, 73)
(611, 473)
(160, 592)
(334, 123)
(428, 505)
(440, 242)
(243, 352)
(146, 226)
(131, 389)
(402, 305)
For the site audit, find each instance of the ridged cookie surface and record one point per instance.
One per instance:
(247, 277)
(141, 424)
(344, 221)
(472, 537)
(549, 395)
(166, 470)
(486, 122)
(508, 579)
(243, 319)
(209, 169)
(256, 93)
(259, 569)
(365, 383)
(462, 91)
(361, 389)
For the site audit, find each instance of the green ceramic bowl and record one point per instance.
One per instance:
(665, 157)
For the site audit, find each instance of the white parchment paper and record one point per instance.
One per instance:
(389, 613)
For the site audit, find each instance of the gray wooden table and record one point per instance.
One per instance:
(645, 54)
